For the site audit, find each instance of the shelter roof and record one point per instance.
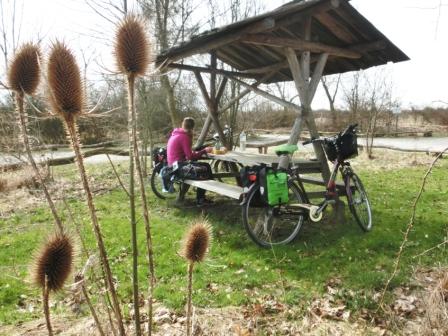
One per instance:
(255, 45)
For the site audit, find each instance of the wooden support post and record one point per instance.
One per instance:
(306, 90)
(208, 121)
(212, 102)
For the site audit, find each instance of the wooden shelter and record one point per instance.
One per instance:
(300, 41)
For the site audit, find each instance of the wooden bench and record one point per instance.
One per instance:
(221, 188)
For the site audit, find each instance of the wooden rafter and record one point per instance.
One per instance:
(210, 70)
(299, 45)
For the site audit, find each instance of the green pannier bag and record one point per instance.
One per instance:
(274, 186)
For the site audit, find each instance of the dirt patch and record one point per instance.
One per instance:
(418, 309)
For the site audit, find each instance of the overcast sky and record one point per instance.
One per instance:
(418, 27)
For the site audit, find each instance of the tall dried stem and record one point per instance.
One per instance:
(45, 299)
(23, 129)
(189, 295)
(145, 210)
(74, 139)
(133, 56)
(132, 136)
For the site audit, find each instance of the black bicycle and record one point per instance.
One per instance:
(276, 224)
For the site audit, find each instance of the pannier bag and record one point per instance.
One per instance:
(158, 155)
(274, 186)
(193, 170)
(249, 175)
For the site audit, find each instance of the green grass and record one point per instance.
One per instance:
(237, 272)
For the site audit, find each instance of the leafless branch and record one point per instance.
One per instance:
(409, 227)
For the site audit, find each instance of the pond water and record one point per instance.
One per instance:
(413, 144)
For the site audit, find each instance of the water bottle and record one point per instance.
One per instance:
(243, 139)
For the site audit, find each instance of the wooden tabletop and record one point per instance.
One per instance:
(254, 159)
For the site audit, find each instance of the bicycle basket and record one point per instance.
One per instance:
(341, 147)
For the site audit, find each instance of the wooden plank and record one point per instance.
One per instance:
(262, 70)
(209, 70)
(221, 188)
(299, 44)
(337, 29)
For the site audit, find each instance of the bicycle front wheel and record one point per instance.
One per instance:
(358, 202)
(273, 225)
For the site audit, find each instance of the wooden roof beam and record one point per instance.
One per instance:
(262, 70)
(299, 44)
(211, 71)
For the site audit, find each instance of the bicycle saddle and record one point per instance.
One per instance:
(285, 149)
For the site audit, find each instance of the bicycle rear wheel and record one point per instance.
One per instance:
(157, 185)
(273, 225)
(358, 202)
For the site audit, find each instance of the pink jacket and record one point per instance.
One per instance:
(179, 147)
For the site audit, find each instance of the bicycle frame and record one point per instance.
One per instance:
(331, 194)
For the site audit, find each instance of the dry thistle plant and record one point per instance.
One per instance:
(23, 79)
(67, 101)
(195, 247)
(132, 51)
(52, 266)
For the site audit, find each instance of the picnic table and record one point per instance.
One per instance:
(245, 159)
(262, 142)
(254, 159)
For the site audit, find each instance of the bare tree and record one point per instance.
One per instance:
(380, 102)
(171, 23)
(331, 88)
(369, 98)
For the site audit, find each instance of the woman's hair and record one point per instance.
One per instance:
(188, 124)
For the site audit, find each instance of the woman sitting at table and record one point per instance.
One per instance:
(179, 150)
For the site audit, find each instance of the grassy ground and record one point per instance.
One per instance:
(237, 272)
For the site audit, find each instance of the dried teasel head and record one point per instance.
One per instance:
(64, 81)
(24, 70)
(197, 240)
(54, 262)
(132, 47)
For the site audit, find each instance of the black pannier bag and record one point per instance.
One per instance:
(342, 148)
(193, 170)
(159, 155)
